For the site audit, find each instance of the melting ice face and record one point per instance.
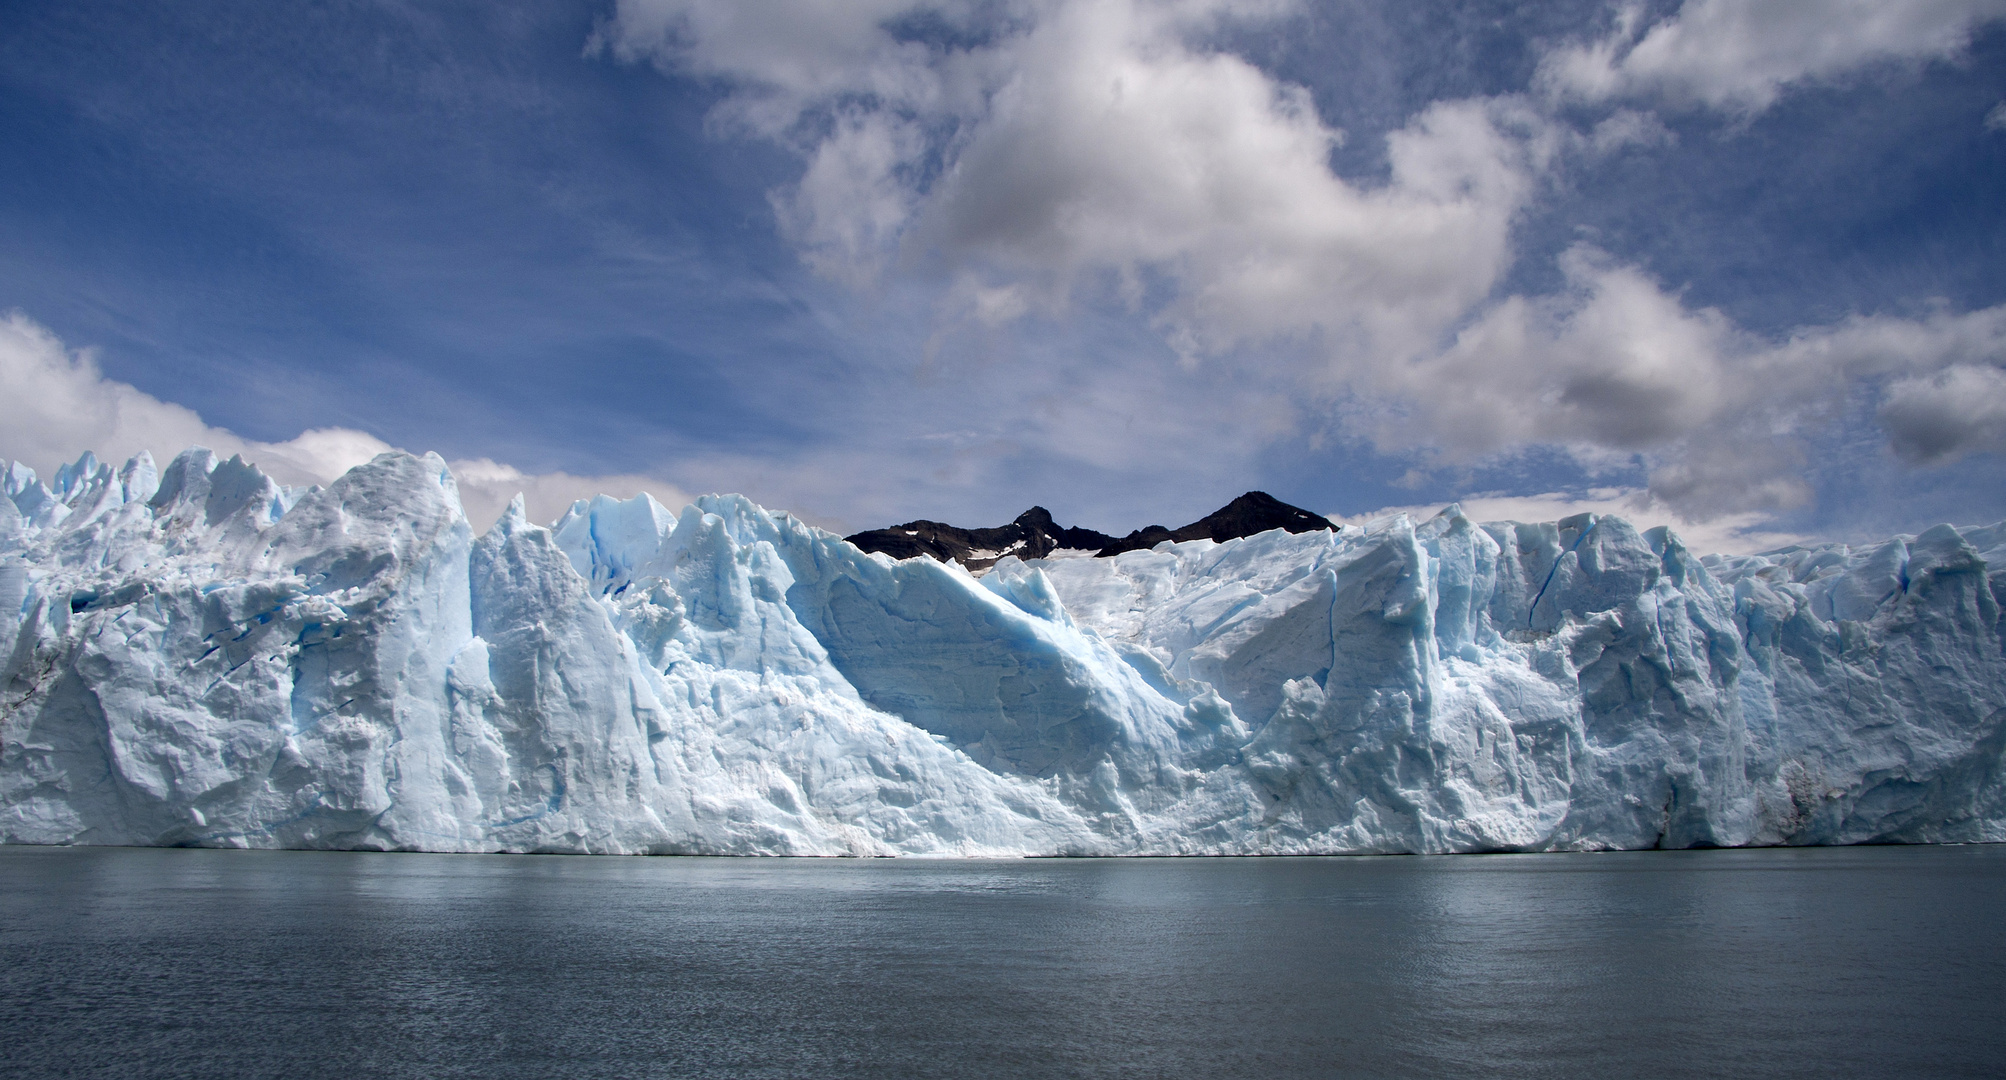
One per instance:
(197, 655)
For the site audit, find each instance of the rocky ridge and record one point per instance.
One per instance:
(1034, 535)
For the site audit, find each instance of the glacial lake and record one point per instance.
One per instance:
(136, 963)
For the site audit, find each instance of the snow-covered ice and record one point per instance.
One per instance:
(198, 655)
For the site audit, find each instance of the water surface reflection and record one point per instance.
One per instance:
(131, 963)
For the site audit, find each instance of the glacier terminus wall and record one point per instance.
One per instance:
(196, 655)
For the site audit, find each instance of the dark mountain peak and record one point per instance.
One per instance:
(1252, 513)
(1034, 535)
(1255, 512)
(1258, 502)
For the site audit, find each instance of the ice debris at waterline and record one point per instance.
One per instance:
(200, 656)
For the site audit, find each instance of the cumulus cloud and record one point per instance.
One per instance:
(1744, 455)
(1616, 361)
(58, 404)
(1738, 56)
(1043, 146)
(1028, 153)
(1953, 412)
(851, 206)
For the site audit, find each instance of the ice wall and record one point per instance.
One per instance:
(197, 655)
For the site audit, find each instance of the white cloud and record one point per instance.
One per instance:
(1940, 417)
(851, 205)
(1614, 361)
(1739, 534)
(486, 486)
(1739, 55)
(1996, 119)
(1033, 154)
(1097, 141)
(1627, 128)
(1079, 142)
(56, 404)
(785, 54)
(1721, 416)
(1748, 453)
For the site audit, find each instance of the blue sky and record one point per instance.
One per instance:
(869, 261)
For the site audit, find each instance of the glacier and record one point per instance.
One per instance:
(197, 655)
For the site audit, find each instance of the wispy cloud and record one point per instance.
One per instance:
(58, 405)
(1737, 534)
(1740, 57)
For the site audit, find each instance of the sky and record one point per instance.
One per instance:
(1735, 267)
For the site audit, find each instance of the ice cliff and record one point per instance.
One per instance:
(197, 655)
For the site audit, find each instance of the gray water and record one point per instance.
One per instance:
(165, 963)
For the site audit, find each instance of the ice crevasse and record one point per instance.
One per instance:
(196, 655)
